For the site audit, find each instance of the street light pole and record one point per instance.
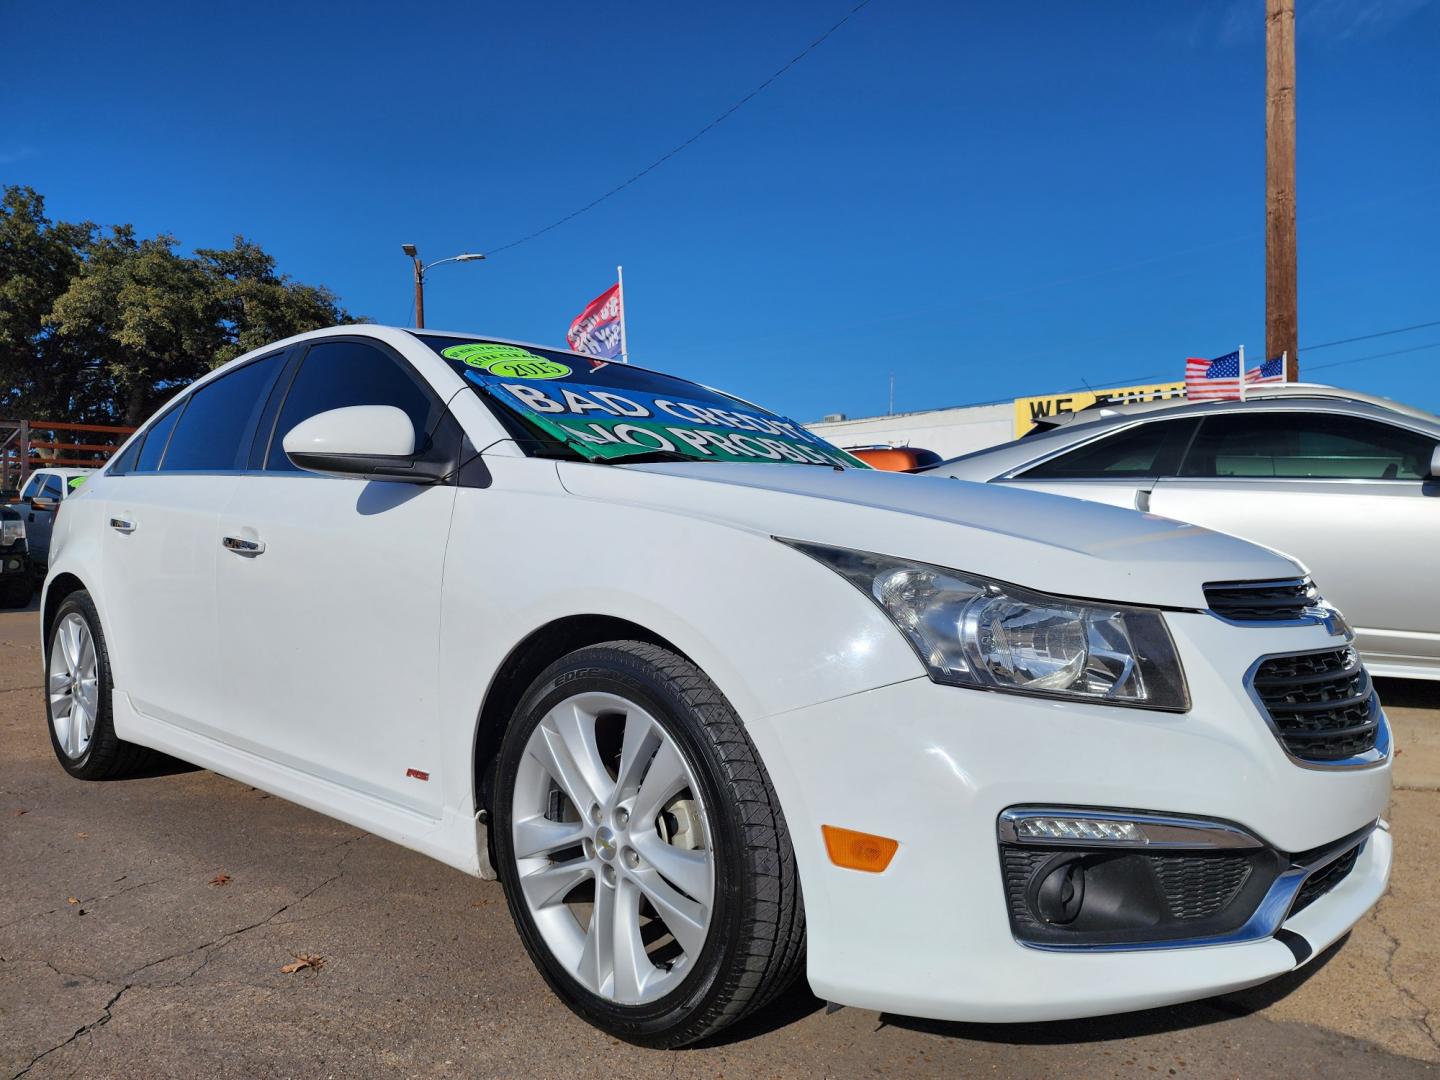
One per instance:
(420, 268)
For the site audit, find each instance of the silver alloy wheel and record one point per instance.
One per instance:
(74, 685)
(613, 848)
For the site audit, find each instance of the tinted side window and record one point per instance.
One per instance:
(32, 487)
(155, 439)
(217, 419)
(1319, 446)
(52, 488)
(336, 374)
(126, 461)
(1144, 450)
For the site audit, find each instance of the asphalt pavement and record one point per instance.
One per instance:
(182, 924)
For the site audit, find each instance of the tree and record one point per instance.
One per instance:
(256, 306)
(105, 326)
(38, 258)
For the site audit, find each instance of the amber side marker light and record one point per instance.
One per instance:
(859, 850)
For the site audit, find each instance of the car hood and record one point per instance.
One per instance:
(1027, 538)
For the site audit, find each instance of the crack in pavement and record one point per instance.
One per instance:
(104, 1019)
(1421, 1019)
(214, 946)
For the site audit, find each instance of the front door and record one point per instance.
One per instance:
(1119, 468)
(329, 625)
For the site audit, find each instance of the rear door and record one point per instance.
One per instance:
(161, 540)
(1119, 467)
(1347, 495)
(329, 635)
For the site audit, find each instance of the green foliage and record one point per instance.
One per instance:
(100, 325)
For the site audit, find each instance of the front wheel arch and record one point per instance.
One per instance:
(523, 664)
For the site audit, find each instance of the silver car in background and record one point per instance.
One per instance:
(1346, 483)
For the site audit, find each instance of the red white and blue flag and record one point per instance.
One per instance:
(596, 330)
(1213, 380)
(1272, 371)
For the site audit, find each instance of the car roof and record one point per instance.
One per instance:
(1255, 395)
(996, 460)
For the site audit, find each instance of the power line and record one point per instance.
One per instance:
(681, 146)
(1376, 356)
(1367, 337)
(1140, 379)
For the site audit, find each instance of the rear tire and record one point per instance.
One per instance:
(616, 705)
(77, 697)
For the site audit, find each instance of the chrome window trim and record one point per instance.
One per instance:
(1268, 917)
(1377, 755)
(1169, 833)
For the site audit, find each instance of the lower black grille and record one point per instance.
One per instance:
(1168, 893)
(1321, 704)
(1261, 601)
(1322, 881)
(1197, 886)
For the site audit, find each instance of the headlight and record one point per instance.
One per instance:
(11, 530)
(970, 631)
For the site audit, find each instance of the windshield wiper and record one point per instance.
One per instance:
(646, 457)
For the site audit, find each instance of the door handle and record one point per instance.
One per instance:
(243, 545)
(124, 525)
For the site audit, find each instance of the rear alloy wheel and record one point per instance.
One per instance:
(654, 906)
(77, 697)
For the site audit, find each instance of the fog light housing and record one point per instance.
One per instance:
(1088, 878)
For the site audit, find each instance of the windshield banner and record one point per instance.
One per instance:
(604, 423)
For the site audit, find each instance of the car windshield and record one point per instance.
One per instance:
(598, 410)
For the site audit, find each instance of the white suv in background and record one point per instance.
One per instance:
(719, 704)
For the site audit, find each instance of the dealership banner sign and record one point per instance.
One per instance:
(606, 412)
(1030, 411)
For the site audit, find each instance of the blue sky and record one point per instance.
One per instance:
(986, 199)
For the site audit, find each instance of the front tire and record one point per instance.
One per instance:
(641, 845)
(77, 697)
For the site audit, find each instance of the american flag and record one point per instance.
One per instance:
(1272, 371)
(1213, 380)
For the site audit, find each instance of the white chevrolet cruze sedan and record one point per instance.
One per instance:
(714, 701)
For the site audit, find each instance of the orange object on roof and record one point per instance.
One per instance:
(895, 458)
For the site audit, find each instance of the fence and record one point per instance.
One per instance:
(27, 445)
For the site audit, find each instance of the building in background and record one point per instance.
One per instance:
(963, 428)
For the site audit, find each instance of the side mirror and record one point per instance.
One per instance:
(1435, 463)
(374, 442)
(40, 502)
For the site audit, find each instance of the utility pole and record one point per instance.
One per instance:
(1281, 317)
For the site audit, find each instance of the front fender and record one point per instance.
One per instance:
(771, 627)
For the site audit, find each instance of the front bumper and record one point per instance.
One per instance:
(934, 766)
(14, 560)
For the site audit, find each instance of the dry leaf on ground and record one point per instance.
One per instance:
(303, 961)
(71, 900)
(220, 879)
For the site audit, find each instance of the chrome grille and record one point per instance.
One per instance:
(1321, 704)
(1262, 601)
